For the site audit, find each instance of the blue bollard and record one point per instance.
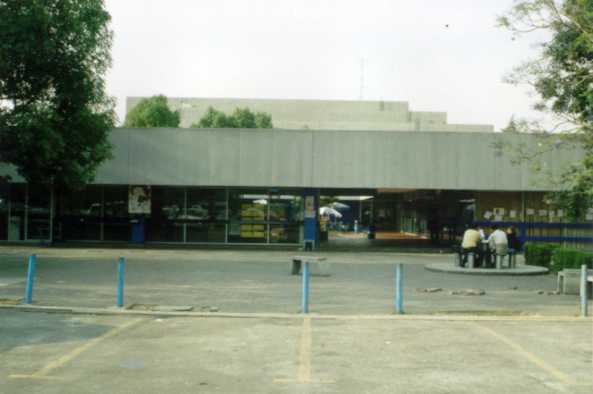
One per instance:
(399, 297)
(30, 279)
(121, 274)
(305, 306)
(583, 290)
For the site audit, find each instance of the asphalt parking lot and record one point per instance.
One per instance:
(63, 353)
(515, 338)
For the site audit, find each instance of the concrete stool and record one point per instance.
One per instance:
(317, 265)
(471, 260)
(568, 281)
(499, 258)
(512, 258)
(458, 259)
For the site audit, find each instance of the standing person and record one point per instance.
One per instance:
(498, 241)
(513, 240)
(469, 244)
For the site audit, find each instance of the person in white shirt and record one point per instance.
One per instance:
(482, 234)
(498, 241)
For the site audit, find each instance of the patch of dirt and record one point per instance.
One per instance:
(11, 301)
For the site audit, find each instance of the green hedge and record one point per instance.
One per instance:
(539, 254)
(570, 258)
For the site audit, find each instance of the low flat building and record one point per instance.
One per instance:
(265, 186)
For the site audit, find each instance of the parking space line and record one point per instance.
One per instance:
(305, 356)
(43, 372)
(305, 352)
(561, 376)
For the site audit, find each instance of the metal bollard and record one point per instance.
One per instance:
(305, 303)
(399, 297)
(30, 279)
(583, 291)
(121, 274)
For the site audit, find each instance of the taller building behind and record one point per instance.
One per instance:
(323, 114)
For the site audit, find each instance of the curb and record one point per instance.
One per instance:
(523, 270)
(287, 316)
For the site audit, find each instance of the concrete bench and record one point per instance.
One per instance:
(568, 281)
(318, 266)
(511, 259)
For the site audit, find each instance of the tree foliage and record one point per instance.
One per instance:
(562, 77)
(55, 116)
(152, 112)
(242, 118)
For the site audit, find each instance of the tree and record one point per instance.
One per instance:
(214, 119)
(55, 116)
(152, 112)
(263, 120)
(241, 118)
(562, 76)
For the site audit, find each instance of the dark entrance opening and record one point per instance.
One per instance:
(394, 218)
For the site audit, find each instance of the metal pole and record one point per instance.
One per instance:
(583, 290)
(121, 272)
(399, 298)
(305, 305)
(30, 279)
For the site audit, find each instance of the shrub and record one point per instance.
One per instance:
(539, 254)
(571, 258)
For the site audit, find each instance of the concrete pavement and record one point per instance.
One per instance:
(54, 353)
(260, 282)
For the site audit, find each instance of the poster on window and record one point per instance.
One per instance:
(310, 207)
(139, 199)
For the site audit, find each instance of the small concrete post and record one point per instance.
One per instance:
(583, 290)
(30, 279)
(121, 272)
(399, 289)
(499, 259)
(305, 302)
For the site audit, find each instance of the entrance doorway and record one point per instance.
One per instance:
(394, 218)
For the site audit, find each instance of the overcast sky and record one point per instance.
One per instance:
(438, 55)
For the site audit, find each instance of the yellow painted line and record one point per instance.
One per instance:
(305, 352)
(16, 376)
(305, 355)
(323, 381)
(561, 376)
(43, 372)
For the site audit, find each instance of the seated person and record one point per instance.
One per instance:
(498, 241)
(482, 233)
(469, 244)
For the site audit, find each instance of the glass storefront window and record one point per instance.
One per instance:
(248, 212)
(286, 214)
(16, 222)
(79, 214)
(116, 218)
(165, 223)
(38, 210)
(206, 215)
(4, 211)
